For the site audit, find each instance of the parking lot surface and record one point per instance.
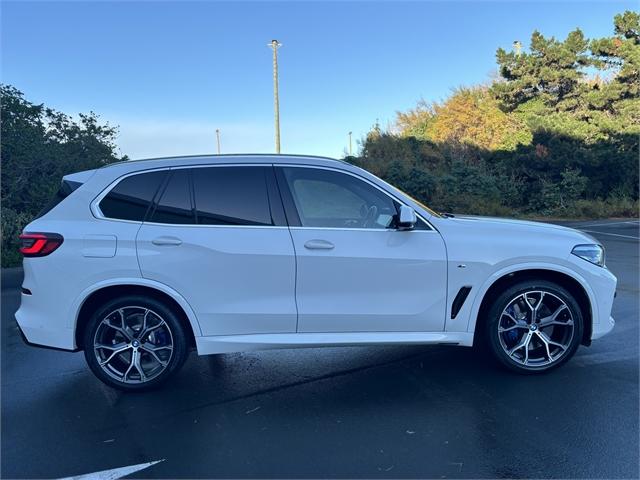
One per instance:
(436, 412)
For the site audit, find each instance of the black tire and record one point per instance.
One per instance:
(496, 341)
(171, 331)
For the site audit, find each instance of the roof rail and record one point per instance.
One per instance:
(213, 155)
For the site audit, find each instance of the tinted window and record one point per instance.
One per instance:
(325, 198)
(131, 198)
(174, 205)
(231, 196)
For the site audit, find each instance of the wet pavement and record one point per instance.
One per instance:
(436, 412)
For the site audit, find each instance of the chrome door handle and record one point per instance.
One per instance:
(166, 241)
(318, 245)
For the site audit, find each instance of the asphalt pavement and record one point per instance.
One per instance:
(372, 412)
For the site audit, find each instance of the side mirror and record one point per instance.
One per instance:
(407, 218)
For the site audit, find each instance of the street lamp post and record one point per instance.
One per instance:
(350, 150)
(218, 139)
(274, 45)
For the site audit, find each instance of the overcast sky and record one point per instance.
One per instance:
(170, 73)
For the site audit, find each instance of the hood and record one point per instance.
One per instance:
(497, 224)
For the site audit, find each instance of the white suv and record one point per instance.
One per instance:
(138, 262)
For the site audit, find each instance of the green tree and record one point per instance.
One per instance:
(38, 147)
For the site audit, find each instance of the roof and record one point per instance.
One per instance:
(160, 162)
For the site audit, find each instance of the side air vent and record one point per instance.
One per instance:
(459, 300)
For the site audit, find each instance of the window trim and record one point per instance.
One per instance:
(292, 211)
(94, 206)
(278, 216)
(277, 169)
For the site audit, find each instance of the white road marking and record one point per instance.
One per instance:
(114, 473)
(612, 234)
(610, 223)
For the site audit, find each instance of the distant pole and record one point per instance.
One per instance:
(274, 45)
(517, 46)
(218, 139)
(350, 150)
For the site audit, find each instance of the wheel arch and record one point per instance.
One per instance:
(569, 280)
(91, 299)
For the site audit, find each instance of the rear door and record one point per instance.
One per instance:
(218, 236)
(355, 271)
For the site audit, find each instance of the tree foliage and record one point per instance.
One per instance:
(556, 134)
(39, 146)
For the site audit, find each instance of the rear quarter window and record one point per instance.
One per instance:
(131, 198)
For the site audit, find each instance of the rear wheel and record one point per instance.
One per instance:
(134, 343)
(534, 326)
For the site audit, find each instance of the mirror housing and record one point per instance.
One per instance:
(406, 218)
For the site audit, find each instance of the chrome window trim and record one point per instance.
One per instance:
(97, 213)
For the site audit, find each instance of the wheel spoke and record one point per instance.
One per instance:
(513, 327)
(552, 319)
(546, 345)
(155, 348)
(524, 342)
(150, 329)
(154, 355)
(114, 353)
(136, 363)
(546, 338)
(122, 329)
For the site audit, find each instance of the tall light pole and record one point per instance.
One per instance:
(517, 46)
(218, 139)
(350, 150)
(274, 45)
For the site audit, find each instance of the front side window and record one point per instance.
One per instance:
(131, 197)
(231, 196)
(330, 199)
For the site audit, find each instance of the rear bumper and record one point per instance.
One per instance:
(602, 328)
(31, 344)
(43, 328)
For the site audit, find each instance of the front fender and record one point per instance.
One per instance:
(481, 292)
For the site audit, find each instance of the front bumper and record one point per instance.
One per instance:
(600, 329)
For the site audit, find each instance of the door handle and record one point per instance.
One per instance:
(166, 241)
(318, 245)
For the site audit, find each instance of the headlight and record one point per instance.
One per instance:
(591, 253)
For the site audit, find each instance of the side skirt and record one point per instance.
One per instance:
(266, 341)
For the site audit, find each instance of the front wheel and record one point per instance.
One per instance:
(134, 343)
(534, 326)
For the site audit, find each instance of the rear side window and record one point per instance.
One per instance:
(231, 196)
(174, 205)
(131, 198)
(67, 187)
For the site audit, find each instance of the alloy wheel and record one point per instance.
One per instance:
(133, 344)
(536, 329)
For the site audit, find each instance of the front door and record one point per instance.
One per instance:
(355, 271)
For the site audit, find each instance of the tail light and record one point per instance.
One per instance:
(39, 244)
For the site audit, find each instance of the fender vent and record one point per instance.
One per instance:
(459, 300)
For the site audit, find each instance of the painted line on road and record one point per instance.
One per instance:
(114, 473)
(612, 234)
(636, 222)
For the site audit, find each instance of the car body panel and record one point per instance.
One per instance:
(377, 280)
